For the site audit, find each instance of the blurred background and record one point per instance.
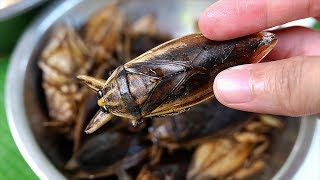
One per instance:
(14, 18)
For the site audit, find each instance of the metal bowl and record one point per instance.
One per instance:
(44, 151)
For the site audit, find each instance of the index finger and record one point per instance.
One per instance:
(228, 19)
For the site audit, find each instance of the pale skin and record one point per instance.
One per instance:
(289, 84)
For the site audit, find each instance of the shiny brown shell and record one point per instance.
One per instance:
(176, 75)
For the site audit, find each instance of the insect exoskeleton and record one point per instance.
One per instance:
(173, 76)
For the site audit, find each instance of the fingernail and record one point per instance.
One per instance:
(232, 85)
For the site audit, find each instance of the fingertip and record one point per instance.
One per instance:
(209, 24)
(205, 26)
(216, 91)
(256, 87)
(202, 24)
(231, 86)
(220, 22)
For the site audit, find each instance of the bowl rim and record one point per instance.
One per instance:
(300, 149)
(23, 135)
(14, 87)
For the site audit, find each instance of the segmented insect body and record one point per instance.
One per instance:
(61, 60)
(196, 125)
(174, 76)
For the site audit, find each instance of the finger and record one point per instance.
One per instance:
(285, 87)
(295, 41)
(228, 19)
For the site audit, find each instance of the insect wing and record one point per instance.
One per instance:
(168, 77)
(159, 69)
(184, 70)
(159, 51)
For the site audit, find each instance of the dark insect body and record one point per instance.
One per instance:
(107, 154)
(172, 77)
(207, 119)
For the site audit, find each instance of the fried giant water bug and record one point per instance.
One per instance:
(172, 77)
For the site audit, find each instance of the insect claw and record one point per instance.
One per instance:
(93, 83)
(97, 121)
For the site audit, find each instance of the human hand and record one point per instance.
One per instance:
(290, 86)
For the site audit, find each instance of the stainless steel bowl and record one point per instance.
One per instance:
(26, 108)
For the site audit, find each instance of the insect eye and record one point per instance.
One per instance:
(99, 94)
(105, 109)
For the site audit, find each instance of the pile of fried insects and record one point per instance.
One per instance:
(210, 141)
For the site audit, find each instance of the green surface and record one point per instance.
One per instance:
(12, 164)
(10, 31)
(12, 28)
(317, 26)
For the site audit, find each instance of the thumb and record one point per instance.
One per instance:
(286, 87)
